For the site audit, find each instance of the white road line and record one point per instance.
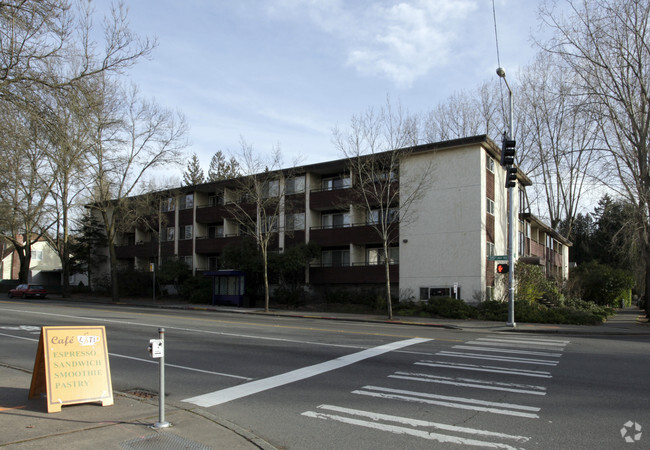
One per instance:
(443, 438)
(150, 361)
(507, 350)
(491, 369)
(254, 387)
(192, 369)
(544, 362)
(529, 338)
(422, 423)
(509, 409)
(472, 383)
(550, 342)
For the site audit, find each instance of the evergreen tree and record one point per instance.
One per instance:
(194, 174)
(89, 238)
(223, 169)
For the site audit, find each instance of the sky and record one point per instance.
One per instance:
(286, 72)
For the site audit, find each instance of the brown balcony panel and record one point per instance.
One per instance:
(209, 246)
(353, 275)
(186, 217)
(360, 235)
(167, 248)
(146, 250)
(293, 238)
(185, 247)
(324, 200)
(211, 214)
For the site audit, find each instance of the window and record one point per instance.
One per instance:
(489, 163)
(169, 234)
(270, 224)
(376, 256)
(337, 220)
(490, 249)
(37, 255)
(212, 263)
(294, 221)
(215, 199)
(335, 258)
(187, 260)
(386, 176)
(329, 184)
(187, 202)
(490, 206)
(375, 214)
(186, 232)
(295, 185)
(215, 231)
(271, 189)
(424, 293)
(168, 204)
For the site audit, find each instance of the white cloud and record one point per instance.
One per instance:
(398, 40)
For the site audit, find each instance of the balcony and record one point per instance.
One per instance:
(210, 245)
(211, 214)
(142, 250)
(320, 200)
(362, 274)
(360, 234)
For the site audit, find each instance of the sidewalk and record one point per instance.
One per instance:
(127, 424)
(627, 321)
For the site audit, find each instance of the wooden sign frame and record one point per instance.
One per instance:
(72, 367)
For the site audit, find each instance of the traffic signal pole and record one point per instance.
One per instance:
(511, 214)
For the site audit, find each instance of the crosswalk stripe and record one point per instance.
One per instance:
(491, 369)
(452, 402)
(544, 362)
(507, 350)
(526, 341)
(257, 386)
(376, 418)
(472, 383)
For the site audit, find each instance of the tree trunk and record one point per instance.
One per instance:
(115, 288)
(266, 281)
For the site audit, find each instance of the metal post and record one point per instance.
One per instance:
(161, 386)
(511, 219)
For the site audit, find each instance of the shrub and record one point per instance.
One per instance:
(450, 307)
(197, 289)
(602, 284)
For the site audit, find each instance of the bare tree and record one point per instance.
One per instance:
(48, 44)
(131, 136)
(606, 43)
(465, 113)
(26, 182)
(375, 146)
(260, 193)
(561, 138)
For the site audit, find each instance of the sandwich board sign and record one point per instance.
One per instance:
(72, 367)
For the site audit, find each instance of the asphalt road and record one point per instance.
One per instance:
(310, 384)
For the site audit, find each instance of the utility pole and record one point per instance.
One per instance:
(508, 160)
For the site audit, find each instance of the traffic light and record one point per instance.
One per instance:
(511, 177)
(503, 268)
(508, 152)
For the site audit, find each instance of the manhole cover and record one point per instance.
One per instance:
(162, 441)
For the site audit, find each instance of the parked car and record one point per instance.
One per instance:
(28, 290)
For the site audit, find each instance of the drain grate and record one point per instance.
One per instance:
(142, 393)
(162, 441)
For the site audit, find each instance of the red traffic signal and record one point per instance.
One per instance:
(503, 268)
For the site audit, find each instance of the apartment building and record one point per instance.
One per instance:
(448, 245)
